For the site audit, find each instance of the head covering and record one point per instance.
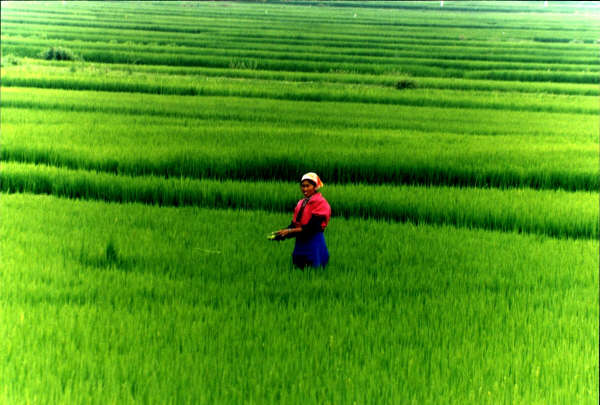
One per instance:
(314, 178)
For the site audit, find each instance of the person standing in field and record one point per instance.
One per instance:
(310, 219)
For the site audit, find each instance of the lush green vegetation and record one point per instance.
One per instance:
(118, 71)
(347, 115)
(218, 137)
(162, 305)
(276, 89)
(148, 149)
(520, 210)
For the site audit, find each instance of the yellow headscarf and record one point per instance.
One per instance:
(314, 178)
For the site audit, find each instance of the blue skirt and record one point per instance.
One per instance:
(310, 251)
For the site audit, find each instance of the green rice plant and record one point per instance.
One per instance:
(433, 295)
(111, 252)
(233, 39)
(561, 59)
(58, 53)
(348, 115)
(9, 60)
(504, 19)
(574, 215)
(204, 310)
(510, 24)
(534, 76)
(267, 150)
(54, 68)
(271, 60)
(184, 85)
(403, 84)
(339, 159)
(266, 39)
(309, 51)
(408, 20)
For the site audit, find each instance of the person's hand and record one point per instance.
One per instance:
(278, 235)
(283, 233)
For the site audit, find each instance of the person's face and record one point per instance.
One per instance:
(307, 188)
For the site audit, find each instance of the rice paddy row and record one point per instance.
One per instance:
(245, 15)
(574, 215)
(230, 153)
(268, 38)
(527, 58)
(161, 18)
(18, 68)
(206, 86)
(347, 115)
(359, 26)
(257, 60)
(343, 150)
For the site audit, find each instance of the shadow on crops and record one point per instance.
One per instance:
(109, 257)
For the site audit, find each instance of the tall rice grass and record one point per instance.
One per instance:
(199, 73)
(348, 115)
(183, 85)
(195, 304)
(552, 213)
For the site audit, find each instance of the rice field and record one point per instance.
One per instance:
(141, 173)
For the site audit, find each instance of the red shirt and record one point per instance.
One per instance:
(316, 205)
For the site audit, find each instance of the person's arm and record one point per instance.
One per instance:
(313, 226)
(287, 232)
(290, 231)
